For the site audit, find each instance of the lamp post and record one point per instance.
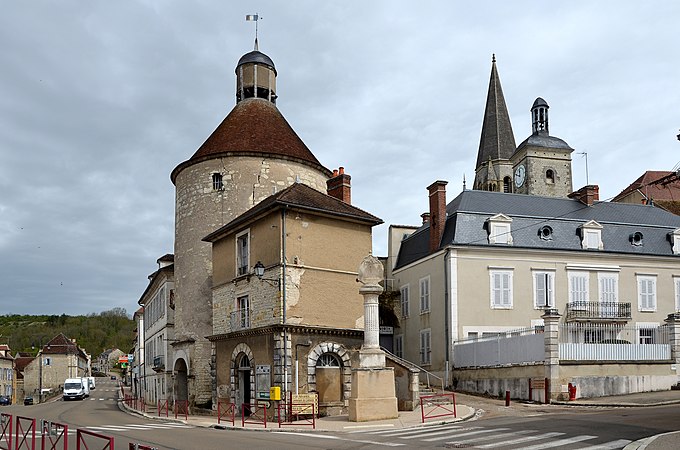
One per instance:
(40, 370)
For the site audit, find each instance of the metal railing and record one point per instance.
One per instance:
(602, 311)
(520, 346)
(613, 342)
(408, 363)
(240, 319)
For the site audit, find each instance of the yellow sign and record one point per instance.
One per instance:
(275, 393)
(304, 403)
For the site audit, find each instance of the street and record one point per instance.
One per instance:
(526, 427)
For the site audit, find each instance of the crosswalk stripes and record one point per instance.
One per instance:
(479, 437)
(129, 427)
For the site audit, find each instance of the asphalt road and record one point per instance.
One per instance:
(528, 427)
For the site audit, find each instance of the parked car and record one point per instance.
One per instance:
(28, 401)
(113, 377)
(4, 400)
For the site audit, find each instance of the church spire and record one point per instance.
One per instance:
(497, 141)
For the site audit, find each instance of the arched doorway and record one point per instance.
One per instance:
(243, 386)
(181, 387)
(329, 378)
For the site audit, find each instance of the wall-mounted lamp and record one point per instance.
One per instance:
(259, 273)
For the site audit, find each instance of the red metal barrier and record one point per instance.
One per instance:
(163, 406)
(430, 407)
(21, 435)
(226, 409)
(182, 408)
(6, 434)
(142, 404)
(53, 434)
(289, 413)
(257, 414)
(102, 442)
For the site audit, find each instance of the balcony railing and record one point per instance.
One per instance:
(159, 363)
(240, 319)
(598, 311)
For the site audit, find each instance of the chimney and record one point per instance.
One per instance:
(426, 217)
(437, 192)
(340, 186)
(587, 194)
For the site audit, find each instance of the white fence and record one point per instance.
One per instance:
(612, 342)
(511, 348)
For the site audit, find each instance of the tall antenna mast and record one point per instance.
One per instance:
(254, 18)
(585, 154)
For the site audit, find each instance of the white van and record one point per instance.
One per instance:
(91, 381)
(74, 389)
(86, 386)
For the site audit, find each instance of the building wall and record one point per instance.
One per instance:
(7, 376)
(470, 293)
(537, 161)
(60, 367)
(200, 210)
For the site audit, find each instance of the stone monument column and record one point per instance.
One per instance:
(373, 394)
(551, 322)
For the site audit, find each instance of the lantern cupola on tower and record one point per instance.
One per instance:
(539, 117)
(255, 76)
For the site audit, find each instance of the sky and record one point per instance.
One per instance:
(100, 100)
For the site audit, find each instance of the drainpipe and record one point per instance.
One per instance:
(446, 312)
(283, 299)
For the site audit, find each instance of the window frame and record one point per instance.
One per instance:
(426, 347)
(549, 276)
(399, 345)
(591, 231)
(650, 280)
(243, 310)
(241, 269)
(404, 300)
(676, 284)
(601, 292)
(500, 229)
(424, 294)
(585, 293)
(492, 294)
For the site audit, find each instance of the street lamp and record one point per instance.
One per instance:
(259, 273)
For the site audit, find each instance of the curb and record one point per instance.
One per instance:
(616, 405)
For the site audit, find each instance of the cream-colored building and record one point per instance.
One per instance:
(297, 324)
(156, 333)
(495, 262)
(7, 373)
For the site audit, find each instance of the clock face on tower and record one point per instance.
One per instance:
(520, 175)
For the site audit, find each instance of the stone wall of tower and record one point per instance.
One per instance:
(537, 162)
(200, 210)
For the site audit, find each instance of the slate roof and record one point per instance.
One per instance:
(303, 197)
(254, 127)
(257, 57)
(497, 140)
(543, 140)
(468, 213)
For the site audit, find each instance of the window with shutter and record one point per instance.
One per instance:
(501, 289)
(646, 293)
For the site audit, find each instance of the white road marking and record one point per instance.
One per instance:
(337, 438)
(524, 439)
(608, 445)
(560, 442)
(469, 433)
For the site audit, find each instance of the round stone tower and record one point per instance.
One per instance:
(253, 153)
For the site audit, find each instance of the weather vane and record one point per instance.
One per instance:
(254, 18)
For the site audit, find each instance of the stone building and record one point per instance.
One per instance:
(251, 154)
(61, 358)
(297, 323)
(540, 165)
(7, 372)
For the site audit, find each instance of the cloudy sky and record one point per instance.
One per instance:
(100, 100)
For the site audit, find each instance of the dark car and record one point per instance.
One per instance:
(28, 401)
(4, 400)
(113, 377)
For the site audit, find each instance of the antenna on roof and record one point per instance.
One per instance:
(254, 18)
(585, 154)
(463, 181)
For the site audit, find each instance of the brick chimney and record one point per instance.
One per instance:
(587, 194)
(437, 192)
(340, 186)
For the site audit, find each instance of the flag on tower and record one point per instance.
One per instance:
(251, 18)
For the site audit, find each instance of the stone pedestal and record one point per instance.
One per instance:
(373, 395)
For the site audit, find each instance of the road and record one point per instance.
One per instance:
(537, 428)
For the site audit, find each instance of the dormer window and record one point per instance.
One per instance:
(674, 237)
(636, 239)
(500, 230)
(591, 236)
(217, 182)
(545, 233)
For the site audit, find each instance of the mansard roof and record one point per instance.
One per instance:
(497, 140)
(298, 196)
(469, 211)
(254, 127)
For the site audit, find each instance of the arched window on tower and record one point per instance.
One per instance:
(217, 182)
(550, 176)
(507, 185)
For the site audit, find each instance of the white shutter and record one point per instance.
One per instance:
(540, 289)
